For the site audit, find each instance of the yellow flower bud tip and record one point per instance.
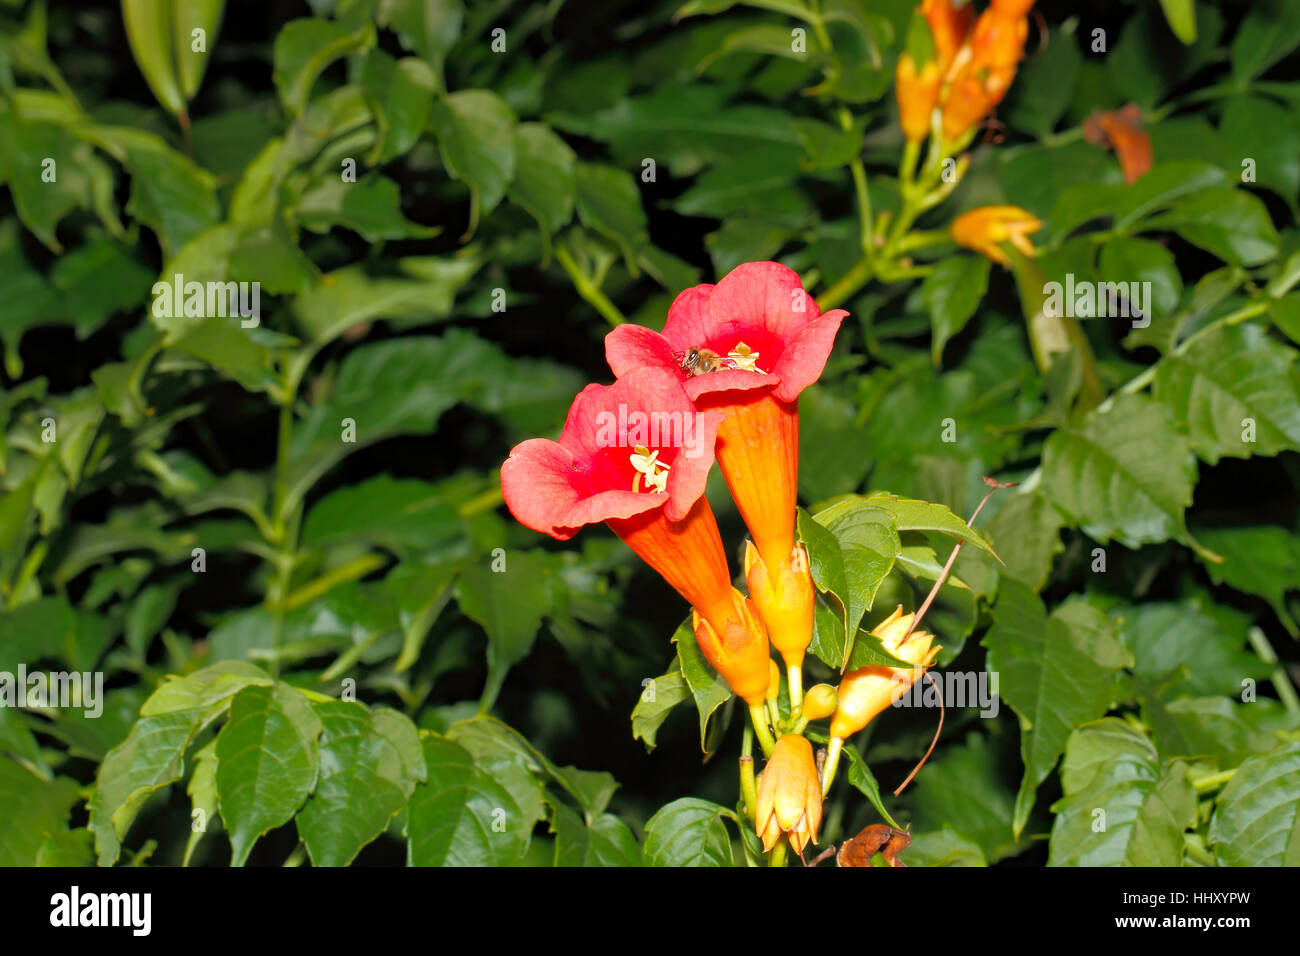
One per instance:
(789, 795)
(784, 599)
(986, 227)
(819, 702)
(773, 680)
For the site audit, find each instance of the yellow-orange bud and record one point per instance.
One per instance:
(740, 654)
(867, 691)
(784, 601)
(984, 227)
(917, 92)
(789, 795)
(819, 702)
(948, 26)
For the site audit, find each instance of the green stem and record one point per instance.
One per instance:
(832, 763)
(353, 570)
(1279, 678)
(1202, 784)
(590, 292)
(795, 677)
(848, 284)
(748, 786)
(778, 854)
(758, 716)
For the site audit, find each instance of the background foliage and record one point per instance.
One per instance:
(326, 562)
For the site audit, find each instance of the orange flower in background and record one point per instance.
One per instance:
(984, 227)
(1012, 8)
(949, 25)
(867, 691)
(1122, 131)
(789, 795)
(918, 93)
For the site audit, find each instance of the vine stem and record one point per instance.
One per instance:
(588, 290)
(1278, 677)
(758, 716)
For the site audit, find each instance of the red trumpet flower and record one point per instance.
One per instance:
(636, 455)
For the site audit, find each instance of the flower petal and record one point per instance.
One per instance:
(541, 484)
(805, 355)
(633, 346)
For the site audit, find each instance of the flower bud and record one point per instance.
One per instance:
(789, 795)
(740, 653)
(785, 601)
(773, 680)
(984, 227)
(917, 92)
(948, 27)
(819, 702)
(867, 691)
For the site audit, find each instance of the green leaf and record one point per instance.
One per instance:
(609, 203)
(429, 27)
(1124, 473)
(1268, 33)
(476, 139)
(150, 758)
(708, 688)
(403, 515)
(1224, 221)
(202, 789)
(1129, 259)
(944, 847)
(509, 604)
(951, 293)
(606, 841)
(1235, 391)
(370, 207)
(963, 788)
(304, 48)
(1119, 809)
(31, 811)
(912, 515)
(363, 783)
(268, 761)
(1257, 559)
(1027, 534)
(400, 95)
(460, 816)
(1181, 15)
(350, 296)
(1055, 672)
(1185, 649)
(545, 182)
(1269, 135)
(687, 832)
(648, 715)
(1257, 816)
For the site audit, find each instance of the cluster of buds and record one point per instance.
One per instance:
(964, 70)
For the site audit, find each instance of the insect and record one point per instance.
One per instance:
(697, 360)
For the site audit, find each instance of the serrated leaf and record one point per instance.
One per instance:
(1257, 816)
(1235, 391)
(363, 783)
(687, 832)
(460, 815)
(1110, 768)
(1055, 672)
(1124, 473)
(670, 689)
(268, 761)
(707, 687)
